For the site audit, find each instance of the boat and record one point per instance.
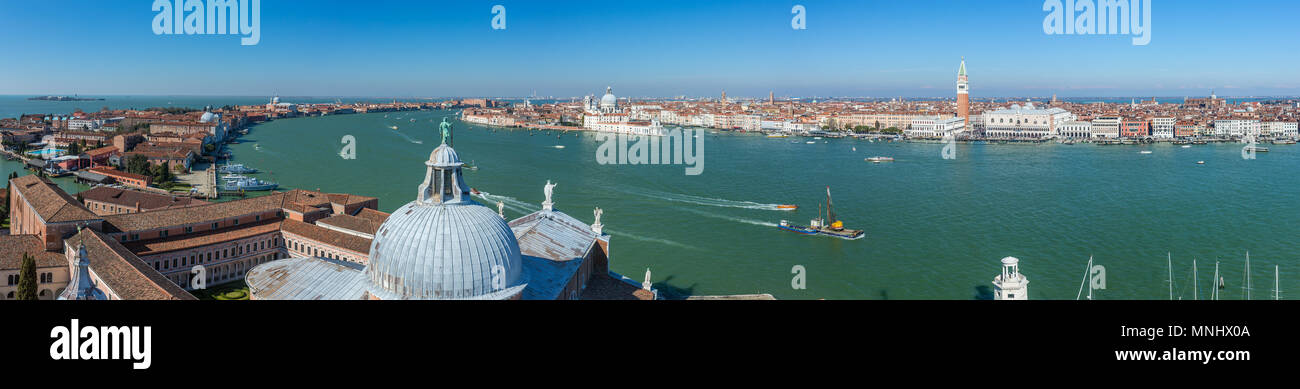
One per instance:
(1187, 146)
(1283, 141)
(245, 183)
(1145, 152)
(559, 146)
(786, 207)
(238, 168)
(880, 159)
(811, 142)
(776, 135)
(1257, 149)
(474, 191)
(1200, 162)
(828, 226)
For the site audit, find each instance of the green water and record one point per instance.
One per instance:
(936, 228)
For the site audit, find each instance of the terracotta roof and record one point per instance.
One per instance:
(115, 173)
(350, 222)
(129, 198)
(12, 248)
(123, 272)
(190, 215)
(327, 236)
(51, 203)
(189, 241)
(376, 217)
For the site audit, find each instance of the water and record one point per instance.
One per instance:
(935, 229)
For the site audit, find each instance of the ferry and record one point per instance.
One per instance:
(244, 183)
(1257, 149)
(776, 135)
(827, 226)
(1283, 141)
(880, 159)
(238, 168)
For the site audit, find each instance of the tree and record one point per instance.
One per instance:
(27, 279)
(137, 164)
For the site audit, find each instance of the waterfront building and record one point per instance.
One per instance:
(125, 178)
(1024, 122)
(963, 95)
(1010, 285)
(1106, 126)
(471, 253)
(1186, 129)
(1135, 128)
(934, 126)
(1280, 129)
(1212, 102)
(1075, 129)
(607, 116)
(1163, 127)
(1236, 128)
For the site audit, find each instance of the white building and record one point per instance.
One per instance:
(934, 126)
(1236, 128)
(1075, 129)
(1281, 129)
(1010, 285)
(1024, 122)
(607, 116)
(1163, 128)
(1106, 126)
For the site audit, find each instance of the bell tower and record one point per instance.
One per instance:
(1010, 285)
(963, 94)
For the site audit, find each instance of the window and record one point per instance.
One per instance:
(215, 225)
(189, 229)
(234, 222)
(162, 234)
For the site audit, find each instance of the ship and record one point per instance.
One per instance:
(245, 183)
(238, 168)
(828, 226)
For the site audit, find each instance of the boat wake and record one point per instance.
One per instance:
(511, 203)
(731, 218)
(407, 137)
(651, 240)
(699, 200)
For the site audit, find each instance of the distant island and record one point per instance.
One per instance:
(64, 98)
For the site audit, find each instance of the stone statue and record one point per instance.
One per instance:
(446, 130)
(549, 189)
(501, 209)
(598, 212)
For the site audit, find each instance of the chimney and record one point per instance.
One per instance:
(137, 207)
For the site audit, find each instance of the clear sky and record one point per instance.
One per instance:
(649, 48)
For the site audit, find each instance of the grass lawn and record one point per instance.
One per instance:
(233, 290)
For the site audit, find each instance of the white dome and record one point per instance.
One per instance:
(609, 100)
(444, 252)
(444, 245)
(207, 117)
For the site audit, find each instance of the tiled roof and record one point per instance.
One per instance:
(349, 222)
(327, 236)
(376, 217)
(12, 248)
(187, 241)
(191, 215)
(123, 272)
(606, 287)
(129, 198)
(51, 203)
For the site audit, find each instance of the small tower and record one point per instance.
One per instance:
(1010, 285)
(963, 93)
(82, 286)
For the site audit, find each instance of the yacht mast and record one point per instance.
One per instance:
(1169, 259)
(1196, 285)
(1277, 287)
(1214, 293)
(1245, 284)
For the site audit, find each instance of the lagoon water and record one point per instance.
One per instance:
(935, 228)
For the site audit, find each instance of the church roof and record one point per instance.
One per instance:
(307, 279)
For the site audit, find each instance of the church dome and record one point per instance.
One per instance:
(444, 245)
(609, 100)
(207, 117)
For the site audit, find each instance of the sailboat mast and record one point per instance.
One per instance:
(1089, 277)
(1245, 282)
(1277, 287)
(1214, 292)
(1169, 259)
(1196, 285)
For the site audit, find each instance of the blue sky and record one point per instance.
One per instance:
(649, 48)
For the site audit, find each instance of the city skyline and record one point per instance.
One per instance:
(748, 49)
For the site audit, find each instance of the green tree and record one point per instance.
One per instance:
(27, 279)
(137, 164)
